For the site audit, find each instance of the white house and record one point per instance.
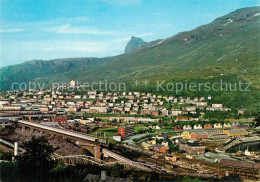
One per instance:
(117, 138)
(187, 127)
(197, 126)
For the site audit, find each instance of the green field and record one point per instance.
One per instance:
(109, 132)
(138, 128)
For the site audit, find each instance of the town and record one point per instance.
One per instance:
(164, 134)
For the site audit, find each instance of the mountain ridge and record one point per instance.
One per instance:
(134, 44)
(226, 47)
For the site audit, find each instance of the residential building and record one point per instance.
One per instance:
(187, 127)
(186, 135)
(217, 125)
(199, 135)
(98, 109)
(117, 138)
(245, 127)
(227, 125)
(133, 112)
(146, 112)
(217, 105)
(61, 119)
(146, 145)
(177, 128)
(236, 132)
(215, 136)
(125, 131)
(176, 112)
(155, 113)
(192, 149)
(183, 118)
(72, 83)
(44, 109)
(12, 107)
(197, 126)
(241, 111)
(161, 148)
(207, 126)
(202, 104)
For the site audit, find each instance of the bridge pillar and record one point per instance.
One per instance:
(41, 132)
(52, 134)
(31, 130)
(23, 128)
(98, 153)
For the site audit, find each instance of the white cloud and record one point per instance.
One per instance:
(58, 21)
(11, 30)
(29, 25)
(123, 39)
(77, 46)
(140, 35)
(68, 29)
(49, 49)
(62, 46)
(145, 34)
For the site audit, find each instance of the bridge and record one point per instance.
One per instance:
(239, 141)
(92, 142)
(146, 166)
(10, 144)
(74, 135)
(123, 160)
(11, 118)
(78, 159)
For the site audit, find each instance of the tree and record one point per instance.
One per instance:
(5, 155)
(257, 119)
(173, 148)
(154, 177)
(37, 157)
(189, 179)
(117, 170)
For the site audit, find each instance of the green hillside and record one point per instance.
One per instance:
(38, 69)
(226, 49)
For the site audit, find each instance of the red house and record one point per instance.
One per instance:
(183, 118)
(199, 135)
(177, 128)
(155, 113)
(239, 127)
(61, 119)
(207, 126)
(161, 148)
(68, 96)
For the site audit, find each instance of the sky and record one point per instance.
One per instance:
(50, 29)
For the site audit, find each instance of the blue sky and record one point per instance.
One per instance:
(49, 29)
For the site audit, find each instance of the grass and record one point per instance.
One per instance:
(109, 132)
(138, 128)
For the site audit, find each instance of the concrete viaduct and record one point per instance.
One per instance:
(92, 143)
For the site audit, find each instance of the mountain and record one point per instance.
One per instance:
(226, 49)
(38, 69)
(134, 44)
